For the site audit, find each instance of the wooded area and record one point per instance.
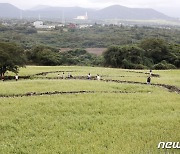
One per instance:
(128, 47)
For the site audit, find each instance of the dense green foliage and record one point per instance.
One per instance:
(149, 53)
(96, 36)
(41, 55)
(11, 58)
(152, 53)
(129, 47)
(80, 57)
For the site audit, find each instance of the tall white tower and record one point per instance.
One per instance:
(63, 19)
(86, 16)
(39, 17)
(21, 14)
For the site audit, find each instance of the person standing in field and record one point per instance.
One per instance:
(63, 75)
(89, 76)
(150, 72)
(16, 77)
(68, 75)
(149, 80)
(58, 76)
(98, 77)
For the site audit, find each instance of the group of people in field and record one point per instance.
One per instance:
(63, 76)
(89, 77)
(97, 77)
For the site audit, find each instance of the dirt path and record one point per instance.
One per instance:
(171, 88)
(45, 73)
(64, 92)
(153, 75)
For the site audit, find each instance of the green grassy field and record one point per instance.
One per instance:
(100, 122)
(170, 77)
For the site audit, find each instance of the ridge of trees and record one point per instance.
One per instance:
(96, 36)
(151, 53)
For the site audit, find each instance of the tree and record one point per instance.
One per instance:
(113, 56)
(125, 56)
(157, 49)
(11, 58)
(42, 55)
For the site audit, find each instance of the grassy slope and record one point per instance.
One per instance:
(25, 86)
(93, 123)
(88, 123)
(170, 77)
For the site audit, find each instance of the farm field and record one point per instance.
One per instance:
(118, 114)
(170, 77)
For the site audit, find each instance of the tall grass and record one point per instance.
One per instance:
(90, 123)
(25, 86)
(126, 123)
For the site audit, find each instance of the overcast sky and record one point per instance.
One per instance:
(169, 7)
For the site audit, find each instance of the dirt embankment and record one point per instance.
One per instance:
(63, 92)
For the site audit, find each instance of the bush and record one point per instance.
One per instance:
(160, 66)
(164, 66)
(171, 66)
(140, 66)
(126, 64)
(80, 57)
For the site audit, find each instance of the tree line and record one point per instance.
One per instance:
(96, 36)
(151, 53)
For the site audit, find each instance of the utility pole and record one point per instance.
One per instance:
(63, 20)
(39, 17)
(20, 14)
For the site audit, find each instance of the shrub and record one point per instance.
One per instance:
(140, 66)
(171, 66)
(160, 66)
(126, 64)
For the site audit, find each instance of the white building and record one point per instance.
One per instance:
(84, 26)
(61, 25)
(82, 17)
(39, 24)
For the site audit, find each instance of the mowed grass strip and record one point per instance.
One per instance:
(26, 86)
(90, 123)
(170, 77)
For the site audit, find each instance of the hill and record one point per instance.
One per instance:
(121, 12)
(58, 12)
(9, 11)
(111, 12)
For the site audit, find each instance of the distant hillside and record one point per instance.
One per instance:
(39, 7)
(58, 12)
(112, 12)
(121, 12)
(9, 11)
